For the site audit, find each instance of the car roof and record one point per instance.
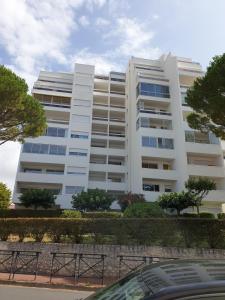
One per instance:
(174, 275)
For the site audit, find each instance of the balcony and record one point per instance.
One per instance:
(39, 177)
(160, 174)
(210, 171)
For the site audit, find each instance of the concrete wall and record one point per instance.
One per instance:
(112, 251)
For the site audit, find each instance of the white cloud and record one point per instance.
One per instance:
(134, 38)
(103, 64)
(83, 20)
(155, 17)
(101, 22)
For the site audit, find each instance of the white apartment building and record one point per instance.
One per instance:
(121, 132)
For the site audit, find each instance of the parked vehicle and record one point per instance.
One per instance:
(174, 279)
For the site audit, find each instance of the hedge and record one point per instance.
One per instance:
(177, 232)
(30, 213)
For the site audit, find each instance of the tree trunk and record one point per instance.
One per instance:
(198, 212)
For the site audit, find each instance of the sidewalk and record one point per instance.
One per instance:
(57, 282)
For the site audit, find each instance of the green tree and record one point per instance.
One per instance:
(175, 201)
(144, 210)
(5, 195)
(21, 115)
(129, 198)
(199, 189)
(38, 198)
(92, 200)
(207, 98)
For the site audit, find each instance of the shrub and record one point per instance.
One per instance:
(127, 199)
(102, 214)
(71, 214)
(92, 200)
(30, 213)
(38, 198)
(207, 215)
(189, 215)
(144, 210)
(5, 195)
(221, 216)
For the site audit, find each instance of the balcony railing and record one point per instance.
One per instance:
(55, 105)
(156, 112)
(207, 138)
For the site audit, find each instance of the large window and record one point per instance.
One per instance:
(44, 149)
(151, 187)
(74, 189)
(151, 89)
(57, 132)
(78, 152)
(154, 142)
(79, 135)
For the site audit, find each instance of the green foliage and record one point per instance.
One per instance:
(127, 199)
(175, 201)
(21, 115)
(207, 98)
(144, 210)
(207, 215)
(92, 200)
(189, 215)
(71, 214)
(38, 198)
(102, 214)
(199, 188)
(5, 195)
(179, 232)
(30, 213)
(221, 216)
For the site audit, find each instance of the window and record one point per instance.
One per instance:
(74, 189)
(149, 141)
(76, 170)
(57, 150)
(79, 135)
(55, 172)
(154, 142)
(151, 187)
(183, 98)
(57, 132)
(166, 167)
(86, 103)
(78, 152)
(149, 165)
(151, 89)
(168, 188)
(80, 119)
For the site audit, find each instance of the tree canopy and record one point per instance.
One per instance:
(175, 201)
(207, 98)
(21, 115)
(92, 200)
(5, 195)
(199, 189)
(38, 198)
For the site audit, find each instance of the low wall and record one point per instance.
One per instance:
(112, 251)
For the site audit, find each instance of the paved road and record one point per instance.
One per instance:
(9, 292)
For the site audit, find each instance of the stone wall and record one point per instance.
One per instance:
(112, 251)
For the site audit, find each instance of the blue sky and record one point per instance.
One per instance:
(54, 34)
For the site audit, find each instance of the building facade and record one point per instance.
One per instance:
(122, 132)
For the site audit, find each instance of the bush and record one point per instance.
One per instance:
(5, 195)
(207, 215)
(30, 213)
(179, 232)
(144, 210)
(189, 215)
(127, 199)
(221, 216)
(38, 198)
(102, 214)
(71, 214)
(92, 200)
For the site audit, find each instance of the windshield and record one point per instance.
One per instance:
(131, 287)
